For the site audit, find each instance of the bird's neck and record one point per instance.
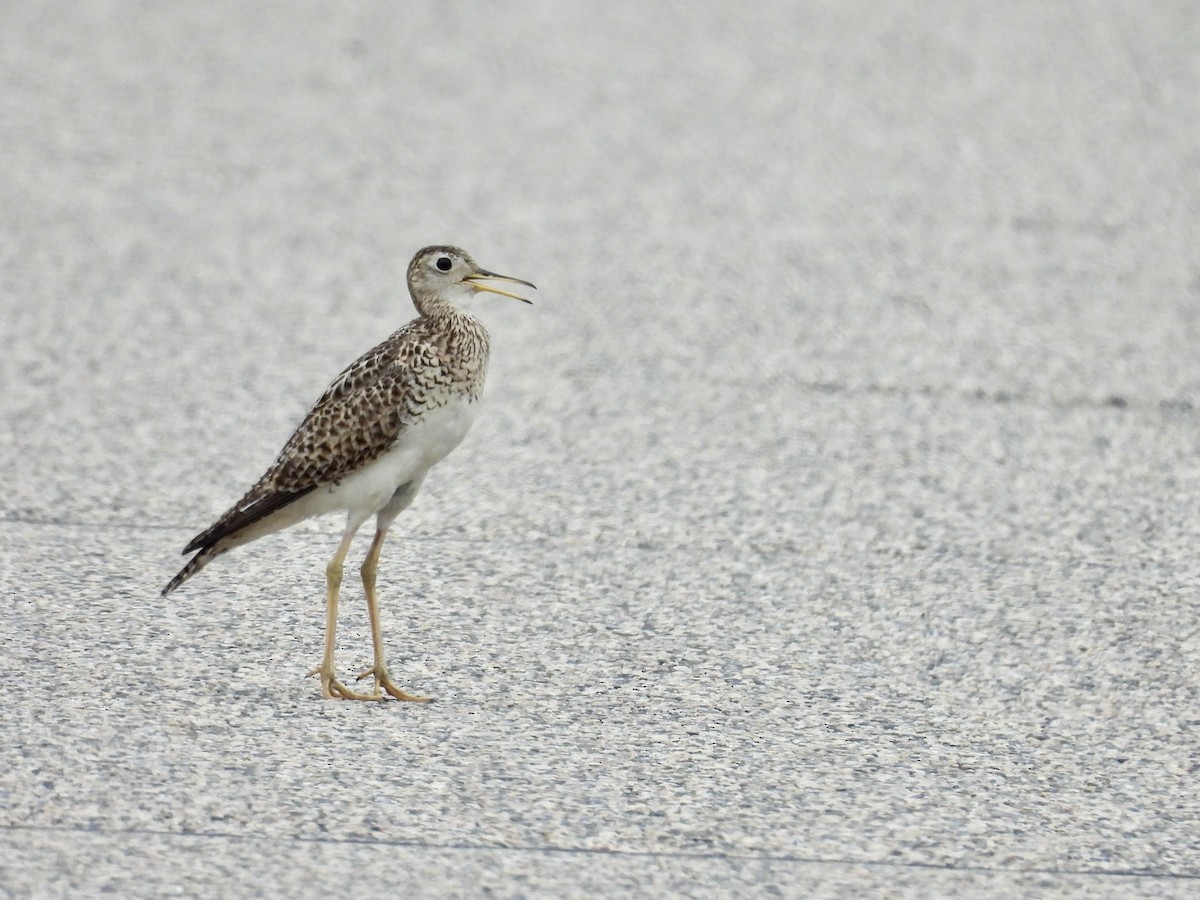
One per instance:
(448, 303)
(448, 316)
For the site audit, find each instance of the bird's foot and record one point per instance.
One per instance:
(383, 680)
(332, 689)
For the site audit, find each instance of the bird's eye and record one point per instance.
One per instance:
(444, 263)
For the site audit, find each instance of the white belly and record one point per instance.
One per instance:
(423, 445)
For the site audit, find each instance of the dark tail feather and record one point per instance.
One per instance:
(194, 565)
(245, 513)
(242, 523)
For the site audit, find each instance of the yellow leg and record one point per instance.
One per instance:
(331, 688)
(379, 669)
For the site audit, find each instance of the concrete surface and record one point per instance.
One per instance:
(832, 526)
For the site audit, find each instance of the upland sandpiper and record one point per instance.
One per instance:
(368, 443)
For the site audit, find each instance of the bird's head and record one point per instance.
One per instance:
(440, 276)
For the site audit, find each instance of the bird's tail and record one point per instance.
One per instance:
(195, 564)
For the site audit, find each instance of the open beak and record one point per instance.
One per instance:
(476, 280)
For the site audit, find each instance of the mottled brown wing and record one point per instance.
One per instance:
(356, 420)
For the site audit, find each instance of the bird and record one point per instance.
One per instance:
(367, 444)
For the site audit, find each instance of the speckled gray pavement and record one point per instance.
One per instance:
(832, 527)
